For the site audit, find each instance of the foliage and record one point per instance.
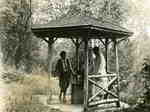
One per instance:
(133, 88)
(145, 108)
(131, 82)
(18, 45)
(47, 10)
(125, 58)
(102, 9)
(146, 76)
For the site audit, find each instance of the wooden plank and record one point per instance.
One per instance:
(45, 40)
(107, 91)
(95, 74)
(103, 108)
(102, 41)
(107, 101)
(101, 76)
(73, 41)
(91, 98)
(112, 82)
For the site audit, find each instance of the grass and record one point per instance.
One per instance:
(23, 90)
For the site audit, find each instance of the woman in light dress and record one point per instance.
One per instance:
(99, 66)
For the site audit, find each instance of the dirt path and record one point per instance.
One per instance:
(3, 93)
(64, 107)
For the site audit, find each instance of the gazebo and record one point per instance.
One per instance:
(82, 28)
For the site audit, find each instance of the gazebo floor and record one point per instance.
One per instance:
(68, 107)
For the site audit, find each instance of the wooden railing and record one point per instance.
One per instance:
(94, 80)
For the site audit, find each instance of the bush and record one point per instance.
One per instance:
(144, 108)
(134, 88)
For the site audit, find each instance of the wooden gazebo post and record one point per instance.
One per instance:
(77, 43)
(50, 41)
(106, 53)
(117, 70)
(50, 55)
(86, 76)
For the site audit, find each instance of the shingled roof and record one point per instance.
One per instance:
(80, 25)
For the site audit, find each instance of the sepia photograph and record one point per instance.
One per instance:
(74, 56)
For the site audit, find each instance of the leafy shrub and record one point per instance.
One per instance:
(134, 88)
